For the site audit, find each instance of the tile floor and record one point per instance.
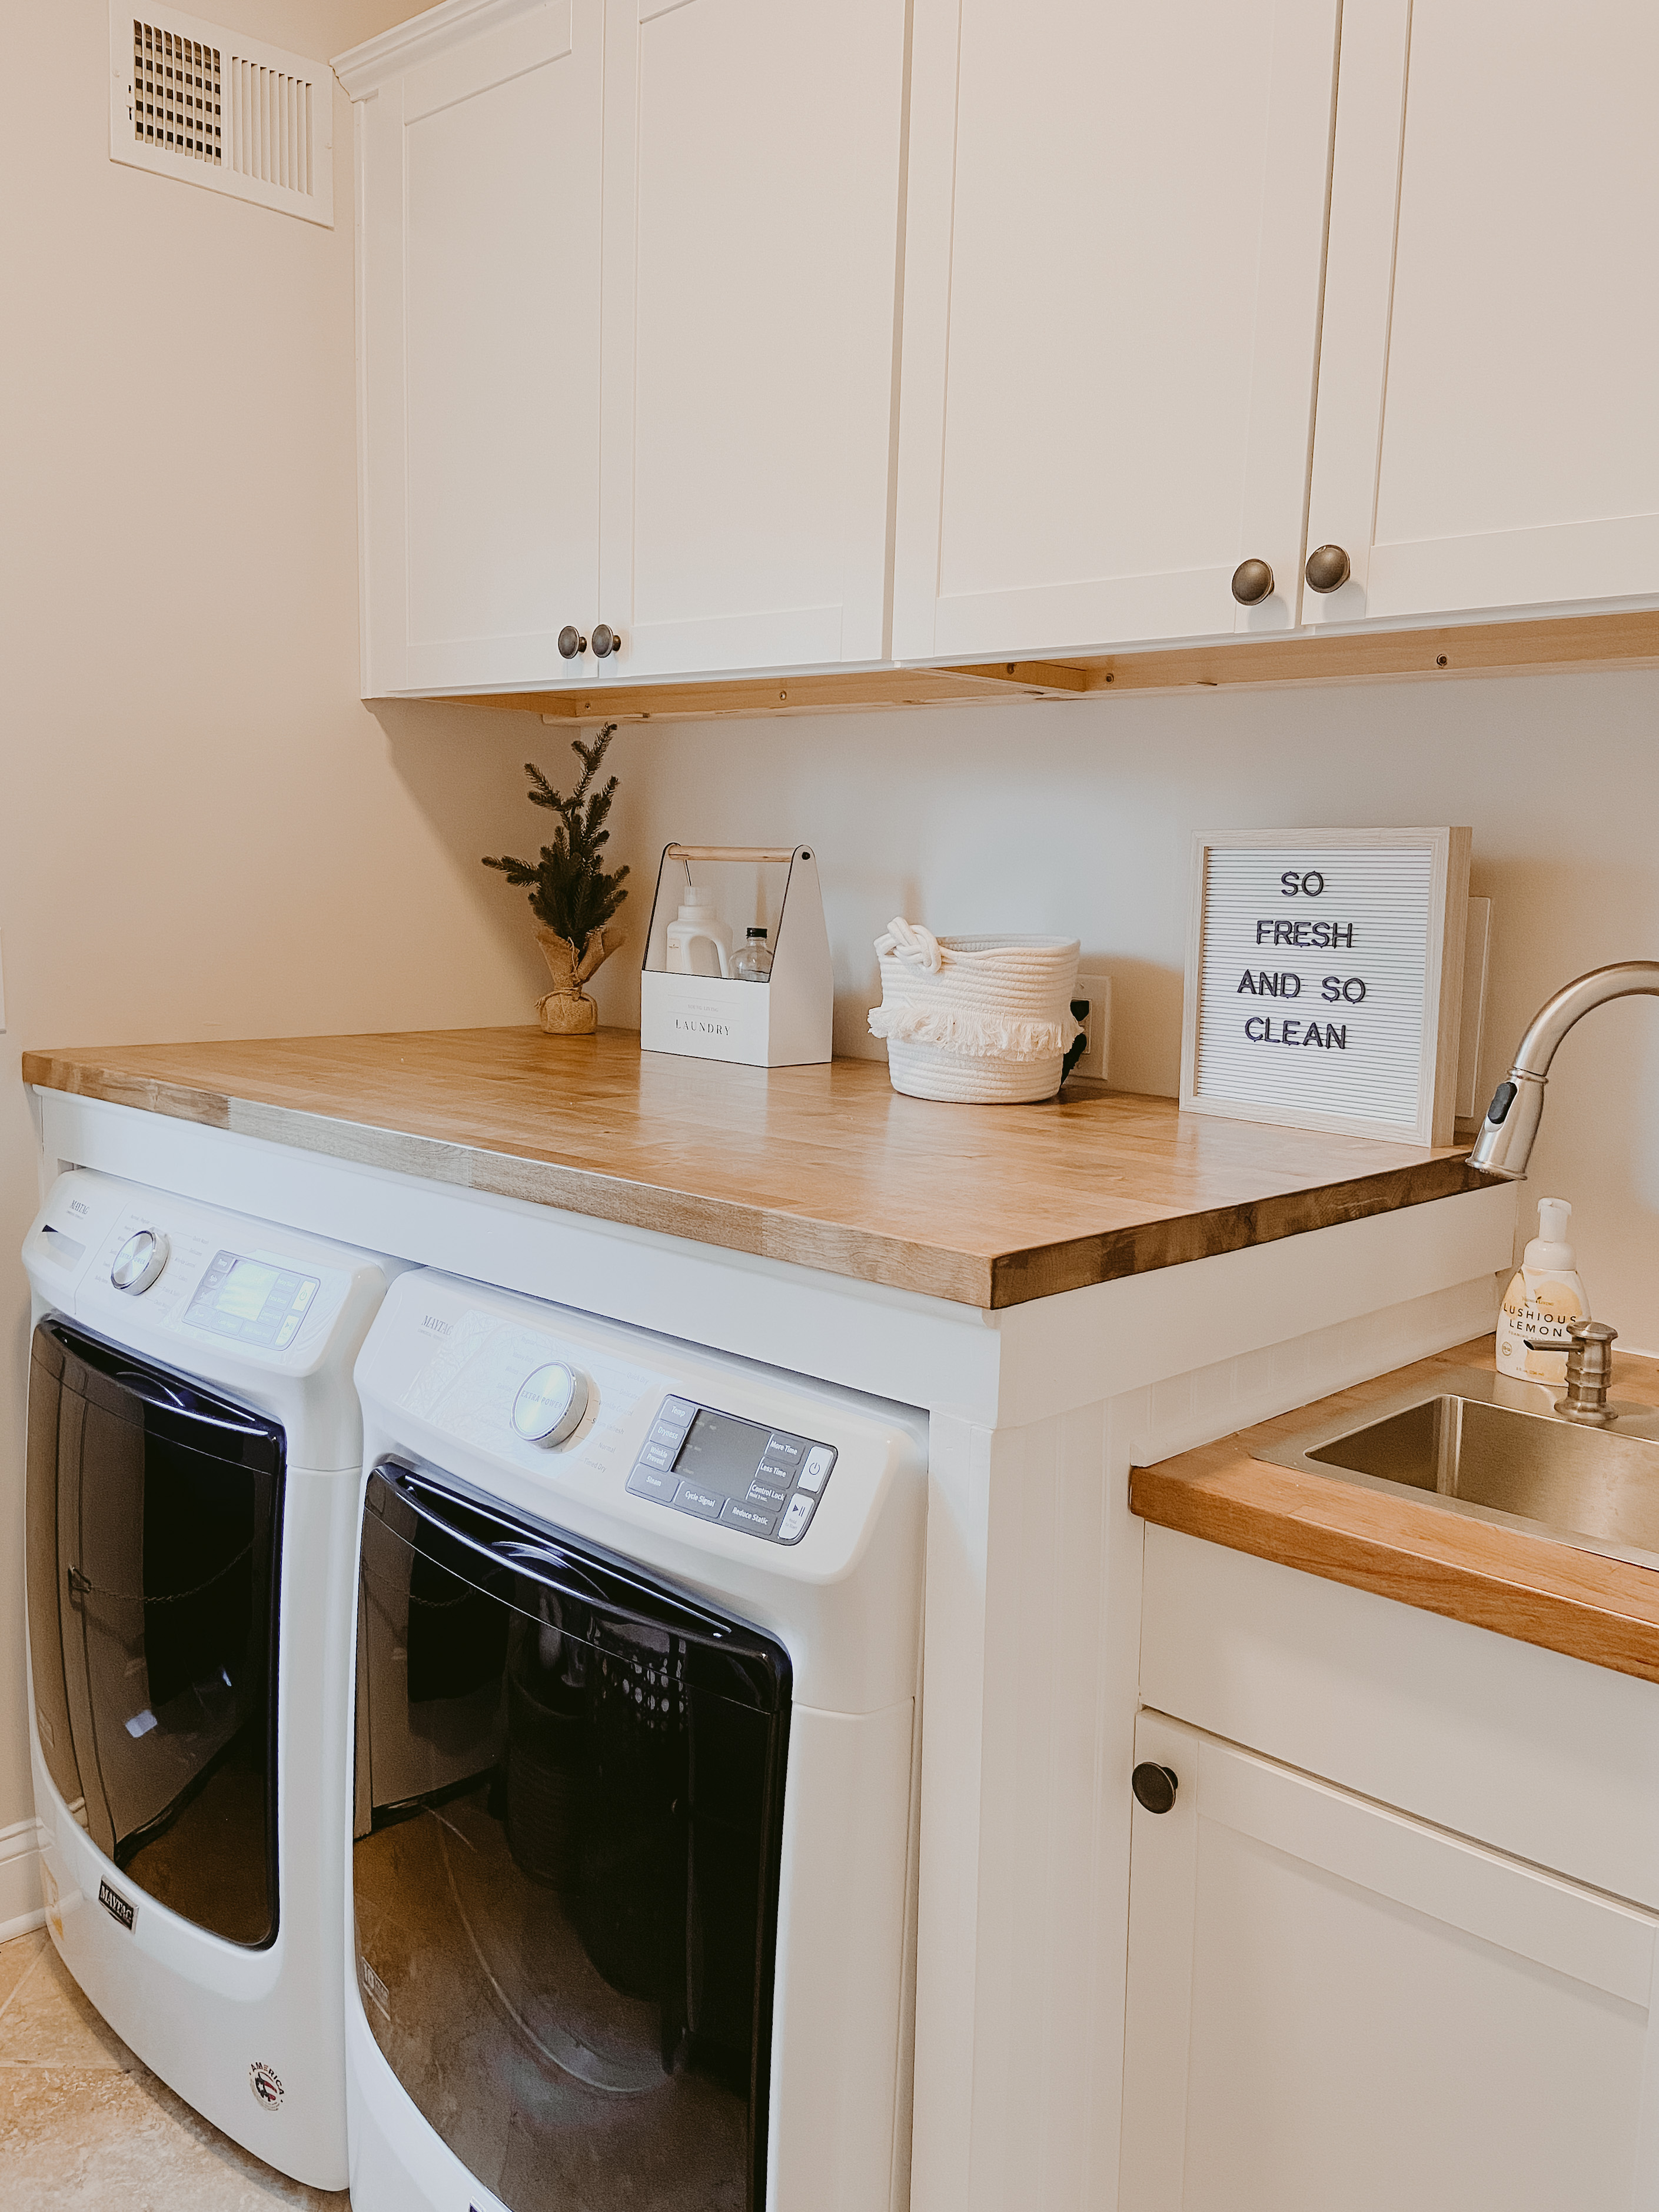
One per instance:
(84, 2126)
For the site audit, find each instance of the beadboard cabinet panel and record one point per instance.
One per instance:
(479, 352)
(752, 159)
(1113, 269)
(1330, 2003)
(1486, 433)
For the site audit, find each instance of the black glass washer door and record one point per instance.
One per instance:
(153, 1516)
(570, 1801)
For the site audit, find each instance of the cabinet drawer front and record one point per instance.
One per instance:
(1330, 2003)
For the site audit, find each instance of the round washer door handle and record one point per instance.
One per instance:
(1155, 1787)
(1252, 581)
(1328, 569)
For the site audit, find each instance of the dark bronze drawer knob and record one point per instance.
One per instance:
(1328, 569)
(1155, 1787)
(1252, 581)
(605, 641)
(571, 641)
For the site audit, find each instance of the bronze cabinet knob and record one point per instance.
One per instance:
(571, 641)
(1328, 569)
(605, 641)
(1155, 1787)
(1252, 582)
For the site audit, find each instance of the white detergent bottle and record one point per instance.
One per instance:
(1540, 1305)
(699, 942)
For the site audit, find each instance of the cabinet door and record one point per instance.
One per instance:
(1488, 436)
(1112, 277)
(752, 243)
(479, 351)
(1330, 2004)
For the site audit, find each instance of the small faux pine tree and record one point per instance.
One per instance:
(569, 891)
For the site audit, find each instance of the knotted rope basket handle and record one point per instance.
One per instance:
(918, 948)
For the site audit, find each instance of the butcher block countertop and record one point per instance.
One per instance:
(827, 1167)
(1531, 1587)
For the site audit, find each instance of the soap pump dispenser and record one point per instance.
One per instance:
(1544, 1299)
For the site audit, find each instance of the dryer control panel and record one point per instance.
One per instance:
(765, 1482)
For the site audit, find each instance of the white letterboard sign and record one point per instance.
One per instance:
(1323, 982)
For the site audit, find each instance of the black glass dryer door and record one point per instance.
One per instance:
(569, 1810)
(153, 1526)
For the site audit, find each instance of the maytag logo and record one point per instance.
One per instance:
(117, 1906)
(433, 1325)
(78, 1205)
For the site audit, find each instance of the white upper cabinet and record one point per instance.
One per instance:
(1331, 2005)
(628, 337)
(1111, 328)
(1488, 436)
(752, 205)
(478, 341)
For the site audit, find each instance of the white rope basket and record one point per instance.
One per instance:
(983, 1019)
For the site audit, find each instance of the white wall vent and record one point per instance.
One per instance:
(188, 100)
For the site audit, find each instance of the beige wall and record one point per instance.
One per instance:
(201, 830)
(1078, 817)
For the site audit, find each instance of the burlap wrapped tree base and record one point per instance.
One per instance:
(566, 1011)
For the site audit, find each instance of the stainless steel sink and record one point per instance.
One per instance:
(1494, 1448)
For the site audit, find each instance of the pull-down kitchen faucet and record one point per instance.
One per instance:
(1504, 1143)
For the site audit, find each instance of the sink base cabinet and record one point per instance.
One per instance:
(1331, 2003)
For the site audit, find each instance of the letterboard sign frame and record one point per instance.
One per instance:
(1325, 978)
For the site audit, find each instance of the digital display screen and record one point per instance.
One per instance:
(258, 1301)
(722, 1453)
(245, 1290)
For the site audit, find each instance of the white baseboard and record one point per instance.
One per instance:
(22, 1906)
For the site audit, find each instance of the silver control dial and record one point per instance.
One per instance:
(550, 1404)
(139, 1261)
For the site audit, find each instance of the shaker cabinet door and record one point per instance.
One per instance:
(1331, 2004)
(479, 274)
(1488, 434)
(751, 219)
(1112, 285)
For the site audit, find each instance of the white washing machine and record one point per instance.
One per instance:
(633, 1855)
(194, 1464)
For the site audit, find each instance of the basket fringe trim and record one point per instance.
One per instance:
(988, 1035)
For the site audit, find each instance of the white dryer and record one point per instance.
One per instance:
(633, 1858)
(194, 1464)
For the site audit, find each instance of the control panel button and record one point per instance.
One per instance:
(669, 1433)
(139, 1261)
(692, 1498)
(650, 1482)
(754, 1518)
(789, 1450)
(770, 1494)
(550, 1404)
(816, 1472)
(657, 1455)
(796, 1514)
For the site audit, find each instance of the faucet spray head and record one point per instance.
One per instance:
(1504, 1143)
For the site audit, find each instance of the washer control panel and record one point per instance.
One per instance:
(255, 1300)
(762, 1481)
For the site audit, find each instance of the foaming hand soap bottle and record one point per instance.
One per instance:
(1540, 1305)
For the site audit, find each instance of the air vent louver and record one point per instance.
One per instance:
(188, 100)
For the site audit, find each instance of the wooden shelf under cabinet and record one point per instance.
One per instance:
(1504, 649)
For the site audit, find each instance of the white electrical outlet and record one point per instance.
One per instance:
(1097, 989)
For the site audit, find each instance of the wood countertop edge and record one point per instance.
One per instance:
(936, 1270)
(1531, 1587)
(989, 1280)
